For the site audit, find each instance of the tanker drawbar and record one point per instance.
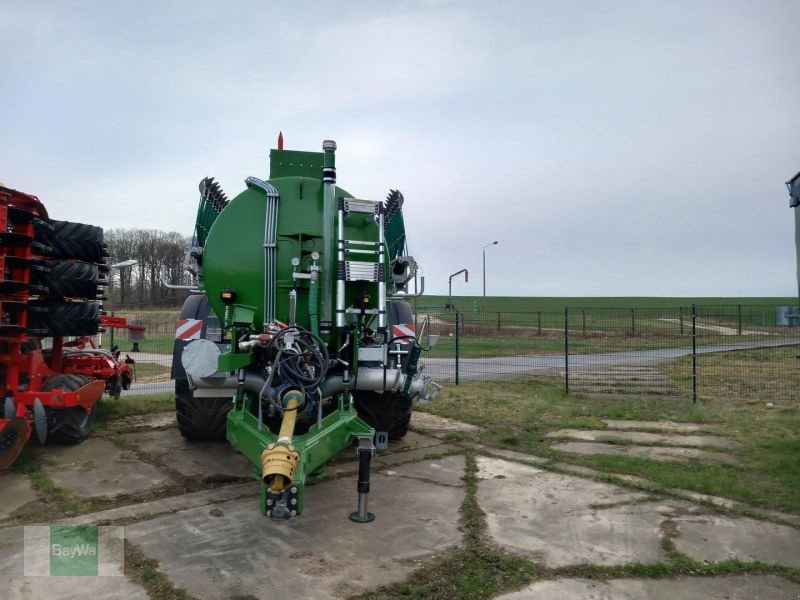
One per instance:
(308, 343)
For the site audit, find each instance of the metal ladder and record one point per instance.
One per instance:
(351, 270)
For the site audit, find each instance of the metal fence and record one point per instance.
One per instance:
(693, 351)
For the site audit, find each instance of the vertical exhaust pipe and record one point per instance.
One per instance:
(328, 239)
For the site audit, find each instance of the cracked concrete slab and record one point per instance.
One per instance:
(446, 471)
(594, 473)
(232, 550)
(386, 460)
(669, 439)
(547, 516)
(97, 468)
(726, 503)
(729, 587)
(16, 493)
(170, 504)
(437, 425)
(15, 586)
(509, 454)
(716, 538)
(659, 453)
(209, 461)
(669, 426)
(411, 441)
(413, 446)
(159, 420)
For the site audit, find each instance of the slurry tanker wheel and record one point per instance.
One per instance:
(385, 412)
(200, 419)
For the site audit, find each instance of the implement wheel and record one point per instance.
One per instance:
(115, 387)
(73, 279)
(68, 425)
(65, 318)
(12, 440)
(76, 240)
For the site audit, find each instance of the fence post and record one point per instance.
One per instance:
(458, 335)
(633, 318)
(498, 321)
(583, 316)
(111, 345)
(694, 353)
(739, 312)
(539, 322)
(566, 348)
(681, 321)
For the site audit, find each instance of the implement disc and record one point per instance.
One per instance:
(12, 440)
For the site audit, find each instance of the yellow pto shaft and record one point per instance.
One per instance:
(279, 460)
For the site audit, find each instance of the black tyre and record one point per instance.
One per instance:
(73, 279)
(115, 387)
(200, 419)
(385, 412)
(67, 425)
(76, 240)
(65, 318)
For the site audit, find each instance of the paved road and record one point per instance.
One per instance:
(443, 369)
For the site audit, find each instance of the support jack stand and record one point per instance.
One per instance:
(365, 451)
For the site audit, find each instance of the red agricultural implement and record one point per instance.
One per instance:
(51, 275)
(83, 357)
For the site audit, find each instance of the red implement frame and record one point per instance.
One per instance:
(23, 366)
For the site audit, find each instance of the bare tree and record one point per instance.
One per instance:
(121, 246)
(159, 255)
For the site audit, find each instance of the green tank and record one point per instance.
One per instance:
(308, 285)
(232, 261)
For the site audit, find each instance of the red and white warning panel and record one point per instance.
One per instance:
(188, 329)
(403, 330)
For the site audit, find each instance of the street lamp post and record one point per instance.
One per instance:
(794, 202)
(449, 306)
(484, 271)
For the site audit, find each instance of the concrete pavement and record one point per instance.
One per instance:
(214, 543)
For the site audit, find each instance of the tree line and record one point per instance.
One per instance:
(160, 258)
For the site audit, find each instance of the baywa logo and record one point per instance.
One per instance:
(73, 550)
(77, 550)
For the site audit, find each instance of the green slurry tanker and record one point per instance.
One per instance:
(298, 342)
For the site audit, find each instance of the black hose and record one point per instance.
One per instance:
(291, 368)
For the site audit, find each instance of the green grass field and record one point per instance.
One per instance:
(519, 325)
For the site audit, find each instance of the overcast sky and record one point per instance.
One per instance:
(612, 148)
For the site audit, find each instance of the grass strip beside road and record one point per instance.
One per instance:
(109, 408)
